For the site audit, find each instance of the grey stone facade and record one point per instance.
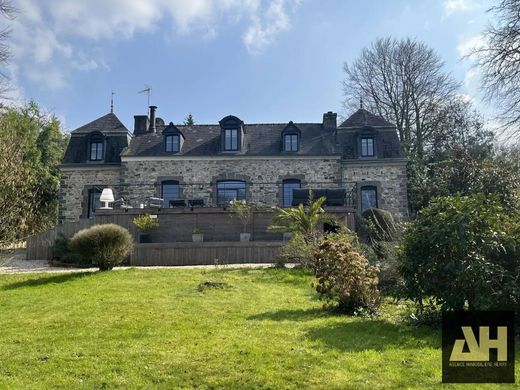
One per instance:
(327, 157)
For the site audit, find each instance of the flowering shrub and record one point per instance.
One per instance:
(345, 277)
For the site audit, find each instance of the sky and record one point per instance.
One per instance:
(261, 60)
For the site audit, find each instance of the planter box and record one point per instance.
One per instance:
(199, 237)
(145, 238)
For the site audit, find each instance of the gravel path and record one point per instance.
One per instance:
(13, 262)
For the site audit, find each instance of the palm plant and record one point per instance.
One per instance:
(303, 220)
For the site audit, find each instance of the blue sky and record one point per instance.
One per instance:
(262, 60)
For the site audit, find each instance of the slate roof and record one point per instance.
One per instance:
(107, 123)
(259, 140)
(363, 118)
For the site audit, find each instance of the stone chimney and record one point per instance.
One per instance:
(140, 125)
(152, 119)
(330, 120)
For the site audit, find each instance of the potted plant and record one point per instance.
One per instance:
(197, 235)
(244, 212)
(143, 223)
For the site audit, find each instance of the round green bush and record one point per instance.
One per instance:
(464, 252)
(104, 245)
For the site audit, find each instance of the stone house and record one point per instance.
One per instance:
(208, 165)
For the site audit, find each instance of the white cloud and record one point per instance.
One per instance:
(265, 28)
(51, 79)
(467, 45)
(54, 37)
(453, 6)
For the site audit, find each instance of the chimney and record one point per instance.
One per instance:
(329, 120)
(152, 119)
(140, 125)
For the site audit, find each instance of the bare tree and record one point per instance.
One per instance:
(403, 81)
(499, 60)
(8, 11)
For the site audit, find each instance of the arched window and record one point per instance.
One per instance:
(368, 197)
(228, 190)
(170, 190)
(288, 186)
(96, 148)
(172, 143)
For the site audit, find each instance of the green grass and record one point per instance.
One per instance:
(156, 329)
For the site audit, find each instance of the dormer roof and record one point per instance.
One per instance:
(107, 123)
(363, 118)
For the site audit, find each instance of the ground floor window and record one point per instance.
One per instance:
(368, 197)
(93, 201)
(288, 186)
(170, 190)
(228, 190)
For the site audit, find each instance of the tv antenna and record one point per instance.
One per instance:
(148, 90)
(112, 93)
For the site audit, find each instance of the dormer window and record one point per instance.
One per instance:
(232, 134)
(291, 138)
(367, 147)
(172, 143)
(290, 142)
(173, 139)
(231, 139)
(96, 148)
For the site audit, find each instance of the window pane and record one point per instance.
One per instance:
(96, 150)
(231, 139)
(93, 202)
(288, 186)
(172, 143)
(99, 151)
(368, 198)
(229, 190)
(170, 191)
(290, 143)
(367, 147)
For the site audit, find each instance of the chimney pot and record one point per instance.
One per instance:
(152, 119)
(140, 124)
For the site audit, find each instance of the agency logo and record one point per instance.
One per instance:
(478, 347)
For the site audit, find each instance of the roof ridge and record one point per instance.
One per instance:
(256, 124)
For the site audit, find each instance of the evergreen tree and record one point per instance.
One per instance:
(188, 121)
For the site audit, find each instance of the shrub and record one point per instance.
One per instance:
(243, 211)
(379, 234)
(386, 256)
(103, 245)
(145, 222)
(378, 225)
(61, 251)
(299, 250)
(345, 277)
(463, 251)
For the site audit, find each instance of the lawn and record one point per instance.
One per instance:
(155, 328)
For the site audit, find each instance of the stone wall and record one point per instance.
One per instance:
(136, 180)
(75, 184)
(198, 177)
(390, 179)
